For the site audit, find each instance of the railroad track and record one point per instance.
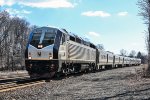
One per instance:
(4, 80)
(16, 84)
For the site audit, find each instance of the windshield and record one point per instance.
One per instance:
(35, 39)
(48, 39)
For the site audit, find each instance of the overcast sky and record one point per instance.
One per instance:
(113, 23)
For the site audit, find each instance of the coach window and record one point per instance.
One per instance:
(101, 56)
(104, 56)
(116, 59)
(120, 60)
(110, 58)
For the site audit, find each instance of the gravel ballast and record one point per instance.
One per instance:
(12, 74)
(121, 83)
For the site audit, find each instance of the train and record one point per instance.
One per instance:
(52, 51)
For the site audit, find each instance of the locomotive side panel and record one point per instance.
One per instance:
(75, 55)
(81, 53)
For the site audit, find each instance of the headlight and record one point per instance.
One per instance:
(50, 57)
(30, 58)
(40, 46)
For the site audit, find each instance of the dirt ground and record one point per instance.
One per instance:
(116, 84)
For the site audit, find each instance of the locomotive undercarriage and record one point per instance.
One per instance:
(41, 69)
(69, 68)
(47, 69)
(73, 68)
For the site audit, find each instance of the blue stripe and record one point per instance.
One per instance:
(29, 40)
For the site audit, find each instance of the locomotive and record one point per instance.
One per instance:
(53, 51)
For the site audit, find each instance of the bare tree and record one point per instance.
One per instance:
(143, 57)
(13, 38)
(19, 38)
(123, 52)
(5, 25)
(132, 53)
(144, 6)
(139, 54)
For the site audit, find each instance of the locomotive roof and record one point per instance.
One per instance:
(75, 35)
(68, 33)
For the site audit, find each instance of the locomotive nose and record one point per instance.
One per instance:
(45, 53)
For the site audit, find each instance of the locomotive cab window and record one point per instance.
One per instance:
(35, 39)
(48, 38)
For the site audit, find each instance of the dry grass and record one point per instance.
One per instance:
(142, 72)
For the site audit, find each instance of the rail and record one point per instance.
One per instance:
(16, 84)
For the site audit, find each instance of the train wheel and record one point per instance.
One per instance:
(32, 76)
(106, 67)
(64, 71)
(52, 74)
(93, 68)
(73, 70)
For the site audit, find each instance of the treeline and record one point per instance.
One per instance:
(13, 39)
(133, 54)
